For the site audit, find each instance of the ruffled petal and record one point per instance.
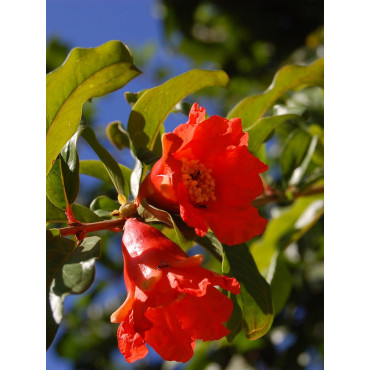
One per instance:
(130, 342)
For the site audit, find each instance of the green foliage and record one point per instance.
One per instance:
(151, 109)
(73, 275)
(267, 275)
(86, 74)
(110, 164)
(290, 77)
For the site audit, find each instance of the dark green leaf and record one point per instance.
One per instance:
(103, 206)
(281, 281)
(291, 223)
(255, 298)
(109, 162)
(96, 169)
(58, 250)
(117, 135)
(81, 213)
(300, 171)
(86, 74)
(260, 131)
(54, 185)
(74, 277)
(291, 77)
(148, 114)
(77, 273)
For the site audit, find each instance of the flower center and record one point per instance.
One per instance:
(198, 181)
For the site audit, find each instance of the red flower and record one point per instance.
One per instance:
(171, 300)
(207, 174)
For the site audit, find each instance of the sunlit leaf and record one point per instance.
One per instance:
(103, 206)
(290, 77)
(117, 135)
(254, 302)
(109, 162)
(151, 109)
(135, 179)
(86, 74)
(260, 131)
(97, 169)
(285, 228)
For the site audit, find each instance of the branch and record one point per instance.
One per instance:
(91, 227)
(278, 196)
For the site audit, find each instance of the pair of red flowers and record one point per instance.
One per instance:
(208, 176)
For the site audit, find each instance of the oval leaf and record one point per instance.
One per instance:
(97, 169)
(152, 108)
(291, 77)
(86, 74)
(109, 162)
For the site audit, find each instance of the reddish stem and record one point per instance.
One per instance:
(94, 226)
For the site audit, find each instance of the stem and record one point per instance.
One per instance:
(265, 199)
(91, 227)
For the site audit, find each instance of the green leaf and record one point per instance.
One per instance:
(117, 135)
(97, 169)
(58, 250)
(110, 164)
(86, 74)
(74, 277)
(281, 282)
(260, 130)
(153, 214)
(254, 305)
(82, 213)
(63, 180)
(151, 109)
(104, 206)
(290, 77)
(291, 223)
(300, 171)
(135, 179)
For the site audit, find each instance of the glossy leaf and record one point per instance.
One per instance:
(117, 135)
(104, 206)
(135, 179)
(291, 223)
(97, 169)
(86, 74)
(63, 180)
(109, 162)
(260, 131)
(81, 213)
(254, 301)
(151, 109)
(290, 77)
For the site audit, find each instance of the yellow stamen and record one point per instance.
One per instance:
(198, 181)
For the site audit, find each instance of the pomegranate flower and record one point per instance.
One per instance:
(171, 300)
(208, 176)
